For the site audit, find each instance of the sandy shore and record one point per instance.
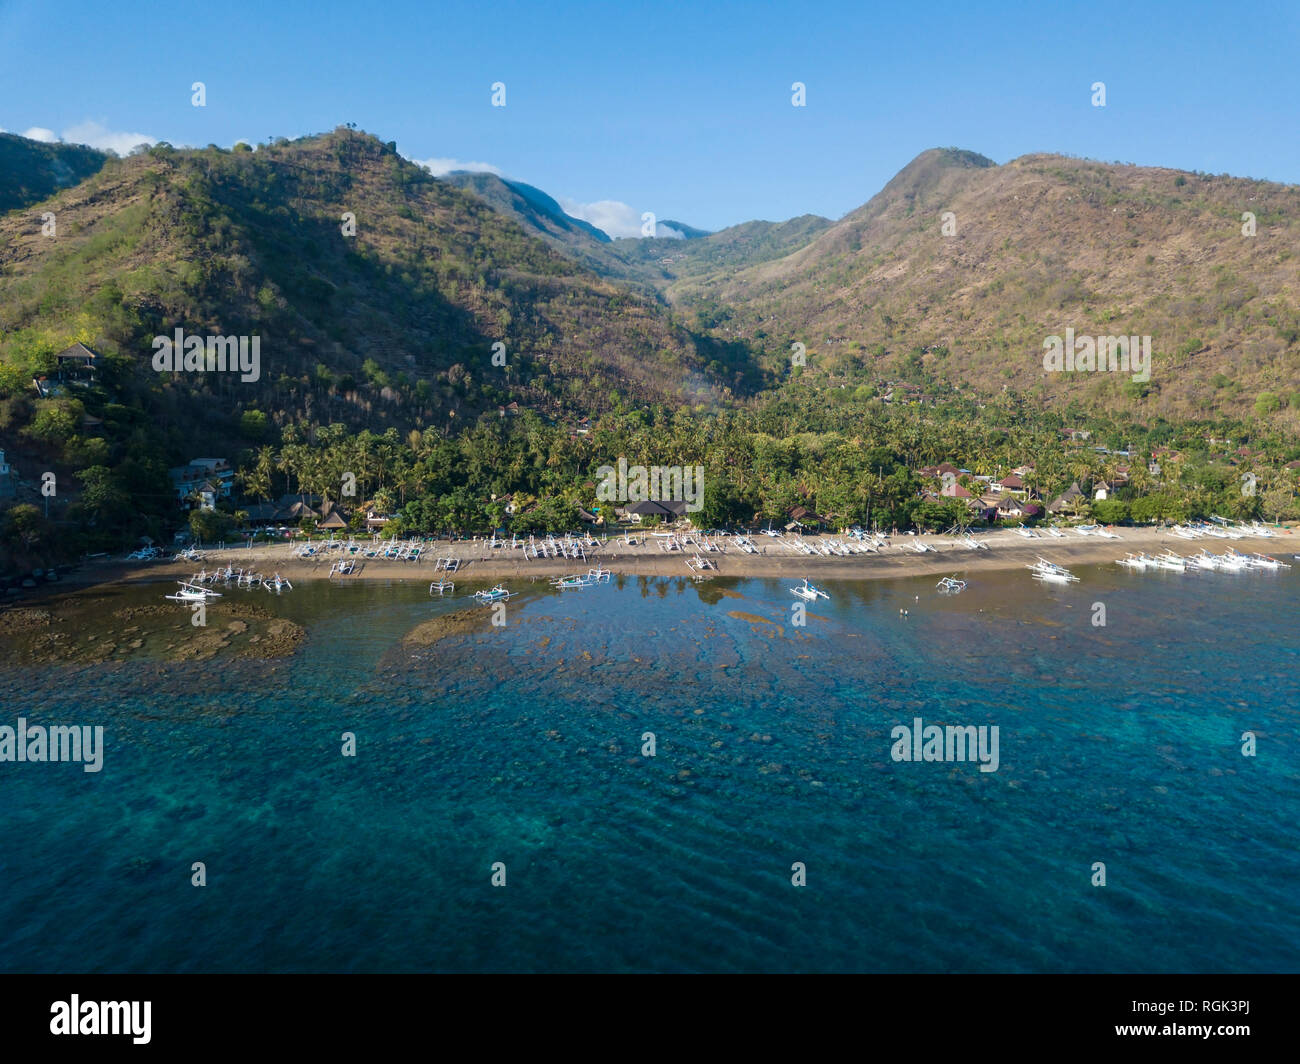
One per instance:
(1006, 550)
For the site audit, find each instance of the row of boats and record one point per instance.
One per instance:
(1230, 561)
(1221, 528)
(198, 589)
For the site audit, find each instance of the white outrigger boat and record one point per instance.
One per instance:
(1055, 533)
(193, 593)
(442, 586)
(277, 584)
(951, 584)
(1137, 562)
(569, 583)
(699, 563)
(1051, 572)
(1024, 533)
(599, 574)
(497, 594)
(809, 591)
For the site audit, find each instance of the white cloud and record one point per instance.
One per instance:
(98, 136)
(613, 216)
(93, 134)
(439, 167)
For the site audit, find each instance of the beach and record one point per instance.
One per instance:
(479, 562)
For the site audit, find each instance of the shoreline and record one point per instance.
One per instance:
(1006, 550)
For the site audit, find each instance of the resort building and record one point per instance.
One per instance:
(667, 511)
(73, 366)
(190, 480)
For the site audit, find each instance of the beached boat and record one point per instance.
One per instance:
(1171, 562)
(1025, 533)
(809, 591)
(951, 584)
(1055, 533)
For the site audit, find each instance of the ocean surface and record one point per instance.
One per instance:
(522, 744)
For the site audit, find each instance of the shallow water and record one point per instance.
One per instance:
(522, 744)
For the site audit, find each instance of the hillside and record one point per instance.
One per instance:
(672, 264)
(394, 325)
(1041, 244)
(32, 170)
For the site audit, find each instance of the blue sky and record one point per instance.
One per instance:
(680, 109)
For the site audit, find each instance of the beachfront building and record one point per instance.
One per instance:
(667, 511)
(190, 480)
(1067, 500)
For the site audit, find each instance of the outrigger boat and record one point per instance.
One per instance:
(566, 583)
(809, 591)
(192, 593)
(1051, 572)
(497, 594)
(277, 583)
(599, 574)
(441, 586)
(951, 584)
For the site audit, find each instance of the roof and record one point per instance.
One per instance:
(650, 508)
(78, 351)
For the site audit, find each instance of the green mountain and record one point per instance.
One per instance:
(31, 170)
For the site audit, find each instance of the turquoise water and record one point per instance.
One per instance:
(522, 744)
